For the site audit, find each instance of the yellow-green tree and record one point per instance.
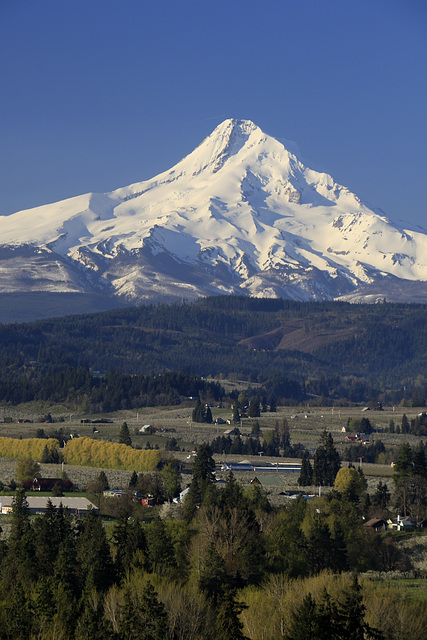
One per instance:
(26, 470)
(350, 483)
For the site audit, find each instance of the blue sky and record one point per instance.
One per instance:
(97, 94)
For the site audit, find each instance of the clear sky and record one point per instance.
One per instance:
(97, 94)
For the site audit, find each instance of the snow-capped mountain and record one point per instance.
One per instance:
(240, 214)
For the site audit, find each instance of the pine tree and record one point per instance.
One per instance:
(327, 461)
(204, 464)
(351, 612)
(128, 538)
(160, 550)
(197, 415)
(124, 435)
(254, 410)
(381, 497)
(285, 436)
(212, 575)
(306, 475)
(236, 414)
(228, 624)
(133, 480)
(103, 481)
(405, 427)
(304, 622)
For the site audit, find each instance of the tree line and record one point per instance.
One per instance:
(105, 393)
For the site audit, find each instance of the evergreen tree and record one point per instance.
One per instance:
(212, 575)
(236, 414)
(405, 426)
(93, 554)
(306, 475)
(204, 465)
(142, 616)
(284, 437)
(254, 410)
(304, 622)
(160, 550)
(103, 481)
(403, 463)
(133, 480)
(128, 539)
(327, 461)
(20, 565)
(419, 462)
(124, 435)
(381, 497)
(351, 612)
(320, 547)
(197, 415)
(263, 402)
(153, 615)
(228, 624)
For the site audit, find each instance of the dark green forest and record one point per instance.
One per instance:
(226, 562)
(325, 351)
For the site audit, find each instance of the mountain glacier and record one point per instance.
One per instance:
(240, 214)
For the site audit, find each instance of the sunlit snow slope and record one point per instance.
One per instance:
(240, 214)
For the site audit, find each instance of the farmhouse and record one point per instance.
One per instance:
(377, 524)
(38, 505)
(146, 428)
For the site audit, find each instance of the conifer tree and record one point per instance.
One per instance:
(304, 622)
(228, 624)
(212, 575)
(381, 497)
(351, 612)
(160, 550)
(306, 474)
(124, 435)
(197, 411)
(133, 480)
(327, 461)
(236, 414)
(254, 410)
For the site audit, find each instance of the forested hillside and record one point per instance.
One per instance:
(329, 349)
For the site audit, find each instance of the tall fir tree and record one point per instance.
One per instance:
(124, 435)
(306, 474)
(327, 461)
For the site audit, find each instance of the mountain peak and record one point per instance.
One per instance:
(239, 214)
(236, 126)
(225, 141)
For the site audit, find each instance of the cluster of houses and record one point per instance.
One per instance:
(359, 437)
(396, 524)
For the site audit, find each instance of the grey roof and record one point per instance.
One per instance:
(40, 502)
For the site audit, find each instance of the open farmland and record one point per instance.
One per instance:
(306, 425)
